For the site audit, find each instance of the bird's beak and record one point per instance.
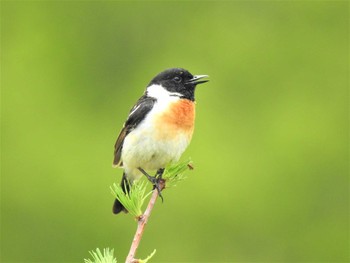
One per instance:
(198, 79)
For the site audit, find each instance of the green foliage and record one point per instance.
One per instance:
(148, 258)
(98, 257)
(133, 200)
(175, 173)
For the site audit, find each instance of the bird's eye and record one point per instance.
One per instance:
(178, 79)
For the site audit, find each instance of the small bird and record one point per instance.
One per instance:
(158, 129)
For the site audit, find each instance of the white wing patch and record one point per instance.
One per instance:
(135, 109)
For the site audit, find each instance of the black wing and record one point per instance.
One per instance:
(137, 114)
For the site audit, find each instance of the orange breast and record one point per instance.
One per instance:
(179, 118)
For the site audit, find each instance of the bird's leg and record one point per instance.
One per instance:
(159, 177)
(150, 178)
(159, 173)
(154, 180)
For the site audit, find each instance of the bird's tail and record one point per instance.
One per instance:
(117, 206)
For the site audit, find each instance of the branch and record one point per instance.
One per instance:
(141, 224)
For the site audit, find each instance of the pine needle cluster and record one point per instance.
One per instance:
(99, 257)
(134, 200)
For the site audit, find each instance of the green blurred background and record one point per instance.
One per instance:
(270, 147)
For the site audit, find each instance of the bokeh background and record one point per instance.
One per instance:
(270, 148)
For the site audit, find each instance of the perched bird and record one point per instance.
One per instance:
(158, 129)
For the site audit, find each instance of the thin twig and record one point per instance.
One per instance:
(141, 223)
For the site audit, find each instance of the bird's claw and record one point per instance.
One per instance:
(156, 181)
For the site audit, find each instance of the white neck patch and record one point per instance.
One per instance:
(160, 93)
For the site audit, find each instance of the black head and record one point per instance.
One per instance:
(179, 80)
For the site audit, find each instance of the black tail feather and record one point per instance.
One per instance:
(117, 206)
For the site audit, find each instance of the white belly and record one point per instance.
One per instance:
(143, 149)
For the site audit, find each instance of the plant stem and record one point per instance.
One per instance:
(141, 223)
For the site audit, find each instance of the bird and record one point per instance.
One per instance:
(158, 129)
